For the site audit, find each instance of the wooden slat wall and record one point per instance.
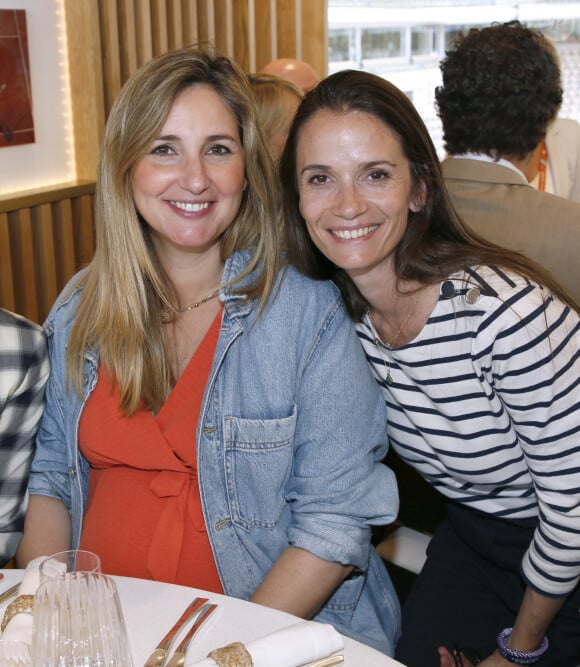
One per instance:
(41, 246)
(47, 236)
(252, 32)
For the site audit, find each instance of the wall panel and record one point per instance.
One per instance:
(314, 35)
(288, 41)
(243, 35)
(6, 270)
(252, 32)
(41, 246)
(265, 32)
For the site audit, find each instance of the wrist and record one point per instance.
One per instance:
(519, 657)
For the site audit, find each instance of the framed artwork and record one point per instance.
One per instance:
(36, 133)
(16, 120)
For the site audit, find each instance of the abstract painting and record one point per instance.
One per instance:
(16, 122)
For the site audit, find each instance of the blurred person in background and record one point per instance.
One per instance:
(277, 100)
(297, 71)
(501, 91)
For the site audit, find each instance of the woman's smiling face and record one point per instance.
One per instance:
(189, 186)
(355, 189)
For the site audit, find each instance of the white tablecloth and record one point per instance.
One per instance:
(150, 609)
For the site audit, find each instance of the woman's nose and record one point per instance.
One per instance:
(193, 175)
(349, 203)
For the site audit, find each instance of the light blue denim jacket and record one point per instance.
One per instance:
(290, 438)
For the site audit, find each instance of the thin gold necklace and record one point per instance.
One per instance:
(389, 345)
(197, 304)
(168, 316)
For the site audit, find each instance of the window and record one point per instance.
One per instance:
(404, 40)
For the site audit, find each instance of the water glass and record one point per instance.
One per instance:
(74, 560)
(78, 622)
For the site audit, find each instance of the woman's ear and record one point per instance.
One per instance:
(419, 197)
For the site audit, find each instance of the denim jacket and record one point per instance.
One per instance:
(290, 438)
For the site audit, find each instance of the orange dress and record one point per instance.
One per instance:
(144, 515)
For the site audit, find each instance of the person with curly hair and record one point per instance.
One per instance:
(501, 91)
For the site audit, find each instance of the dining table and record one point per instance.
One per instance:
(150, 608)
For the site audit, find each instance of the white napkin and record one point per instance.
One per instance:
(19, 627)
(294, 646)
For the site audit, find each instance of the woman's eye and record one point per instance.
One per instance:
(218, 149)
(318, 179)
(378, 175)
(162, 149)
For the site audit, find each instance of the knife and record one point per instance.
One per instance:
(326, 662)
(157, 658)
(178, 658)
(10, 593)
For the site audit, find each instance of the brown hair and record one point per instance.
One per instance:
(436, 242)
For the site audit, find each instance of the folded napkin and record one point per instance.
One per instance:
(293, 646)
(19, 627)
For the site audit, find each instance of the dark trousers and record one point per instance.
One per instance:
(471, 588)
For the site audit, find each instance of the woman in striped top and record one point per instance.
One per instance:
(477, 351)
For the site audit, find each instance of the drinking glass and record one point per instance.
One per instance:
(78, 622)
(74, 560)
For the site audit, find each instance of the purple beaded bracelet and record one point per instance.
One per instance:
(519, 657)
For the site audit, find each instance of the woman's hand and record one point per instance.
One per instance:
(534, 617)
(448, 660)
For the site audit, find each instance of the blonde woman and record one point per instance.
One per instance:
(199, 425)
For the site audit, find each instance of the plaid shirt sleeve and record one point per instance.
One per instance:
(24, 370)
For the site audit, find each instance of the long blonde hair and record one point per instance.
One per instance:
(124, 289)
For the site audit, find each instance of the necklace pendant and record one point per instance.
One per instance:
(389, 377)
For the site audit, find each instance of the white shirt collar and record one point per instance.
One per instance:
(483, 157)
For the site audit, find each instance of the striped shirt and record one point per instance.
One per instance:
(23, 375)
(485, 404)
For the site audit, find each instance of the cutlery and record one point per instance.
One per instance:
(326, 662)
(178, 658)
(159, 655)
(10, 593)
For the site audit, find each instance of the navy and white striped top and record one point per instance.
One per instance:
(485, 404)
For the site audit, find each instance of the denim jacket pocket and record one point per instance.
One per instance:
(258, 463)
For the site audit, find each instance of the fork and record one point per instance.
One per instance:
(178, 658)
(159, 655)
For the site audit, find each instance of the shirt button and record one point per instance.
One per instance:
(472, 295)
